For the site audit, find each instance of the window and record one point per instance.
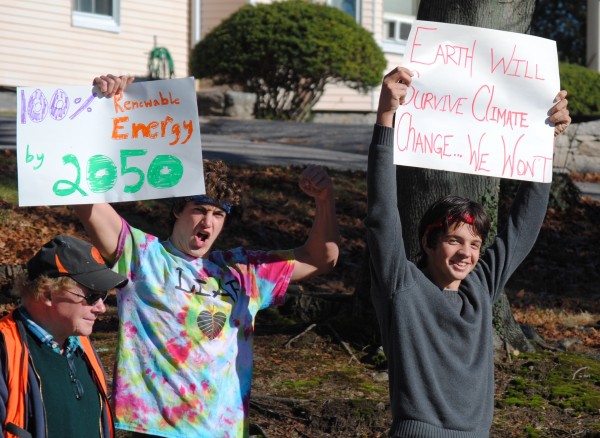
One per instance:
(351, 7)
(96, 14)
(395, 33)
(398, 16)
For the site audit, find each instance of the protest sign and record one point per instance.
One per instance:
(76, 147)
(478, 102)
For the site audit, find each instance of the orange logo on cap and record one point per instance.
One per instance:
(60, 266)
(97, 256)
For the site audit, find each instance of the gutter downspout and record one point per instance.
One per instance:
(195, 29)
(196, 22)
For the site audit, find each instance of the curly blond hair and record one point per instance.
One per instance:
(37, 288)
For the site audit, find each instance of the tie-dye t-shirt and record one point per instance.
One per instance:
(184, 356)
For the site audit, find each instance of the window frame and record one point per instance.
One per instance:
(395, 45)
(89, 20)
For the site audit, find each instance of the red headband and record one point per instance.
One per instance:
(466, 218)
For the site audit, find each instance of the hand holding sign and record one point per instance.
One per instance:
(74, 146)
(109, 85)
(393, 94)
(478, 102)
(559, 114)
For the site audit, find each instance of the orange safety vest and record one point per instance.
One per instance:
(17, 358)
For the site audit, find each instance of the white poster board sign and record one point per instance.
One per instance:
(74, 147)
(478, 102)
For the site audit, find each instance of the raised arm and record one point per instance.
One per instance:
(103, 226)
(393, 92)
(320, 252)
(384, 233)
(101, 222)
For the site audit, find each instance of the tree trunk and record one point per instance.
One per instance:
(507, 328)
(509, 15)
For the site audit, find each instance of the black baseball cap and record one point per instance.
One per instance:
(68, 256)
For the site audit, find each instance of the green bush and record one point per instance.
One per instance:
(286, 52)
(583, 86)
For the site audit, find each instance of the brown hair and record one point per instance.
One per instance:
(219, 186)
(445, 212)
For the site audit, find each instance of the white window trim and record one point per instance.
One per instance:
(397, 46)
(97, 21)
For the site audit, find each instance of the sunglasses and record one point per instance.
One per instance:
(93, 297)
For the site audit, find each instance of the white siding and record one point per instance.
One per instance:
(41, 47)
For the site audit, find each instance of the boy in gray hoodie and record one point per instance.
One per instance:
(436, 317)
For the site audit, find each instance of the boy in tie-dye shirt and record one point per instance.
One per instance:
(185, 344)
(184, 359)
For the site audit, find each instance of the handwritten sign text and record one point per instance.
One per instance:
(478, 102)
(75, 147)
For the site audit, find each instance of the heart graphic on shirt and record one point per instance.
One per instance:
(211, 324)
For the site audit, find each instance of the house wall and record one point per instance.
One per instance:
(41, 47)
(341, 98)
(214, 12)
(338, 98)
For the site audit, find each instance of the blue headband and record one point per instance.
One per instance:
(203, 199)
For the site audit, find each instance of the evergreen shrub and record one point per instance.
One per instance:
(583, 87)
(286, 52)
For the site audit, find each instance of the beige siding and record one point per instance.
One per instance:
(215, 11)
(340, 98)
(41, 47)
(368, 12)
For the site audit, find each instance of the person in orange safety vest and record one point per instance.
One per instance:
(52, 384)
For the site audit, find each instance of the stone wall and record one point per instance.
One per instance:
(228, 103)
(578, 149)
(221, 102)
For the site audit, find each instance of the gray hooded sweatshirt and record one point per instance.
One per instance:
(439, 342)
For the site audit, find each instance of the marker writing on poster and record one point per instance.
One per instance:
(37, 107)
(76, 146)
(467, 108)
(123, 129)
